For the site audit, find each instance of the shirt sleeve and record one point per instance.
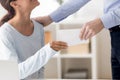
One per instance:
(111, 18)
(30, 65)
(7, 50)
(35, 62)
(66, 9)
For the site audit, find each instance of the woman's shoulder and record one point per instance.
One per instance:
(36, 23)
(5, 31)
(38, 27)
(4, 28)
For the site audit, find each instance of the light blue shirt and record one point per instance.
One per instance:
(29, 51)
(110, 18)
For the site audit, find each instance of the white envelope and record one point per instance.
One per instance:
(71, 36)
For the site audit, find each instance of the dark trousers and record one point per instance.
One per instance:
(115, 54)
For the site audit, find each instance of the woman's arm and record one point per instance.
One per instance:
(33, 63)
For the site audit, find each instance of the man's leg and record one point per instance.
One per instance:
(115, 56)
(115, 67)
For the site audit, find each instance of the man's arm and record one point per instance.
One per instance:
(66, 9)
(44, 20)
(108, 20)
(111, 19)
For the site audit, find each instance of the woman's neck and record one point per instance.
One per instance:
(21, 19)
(22, 23)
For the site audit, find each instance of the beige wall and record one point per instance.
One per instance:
(104, 53)
(104, 48)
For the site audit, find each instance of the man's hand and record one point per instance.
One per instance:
(58, 45)
(45, 20)
(91, 28)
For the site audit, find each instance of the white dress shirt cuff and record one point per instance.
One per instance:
(107, 21)
(111, 19)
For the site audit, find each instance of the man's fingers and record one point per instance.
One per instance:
(82, 33)
(85, 34)
(89, 35)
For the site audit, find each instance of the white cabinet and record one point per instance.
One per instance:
(72, 63)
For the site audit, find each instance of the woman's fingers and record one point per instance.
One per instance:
(58, 45)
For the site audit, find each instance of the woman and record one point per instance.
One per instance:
(21, 39)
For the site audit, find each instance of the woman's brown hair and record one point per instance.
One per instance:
(11, 12)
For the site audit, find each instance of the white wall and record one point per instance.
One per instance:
(104, 53)
(45, 8)
(2, 11)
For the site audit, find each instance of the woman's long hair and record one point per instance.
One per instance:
(11, 12)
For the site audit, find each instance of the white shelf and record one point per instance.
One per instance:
(73, 55)
(56, 55)
(84, 55)
(63, 61)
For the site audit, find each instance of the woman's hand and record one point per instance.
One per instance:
(58, 45)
